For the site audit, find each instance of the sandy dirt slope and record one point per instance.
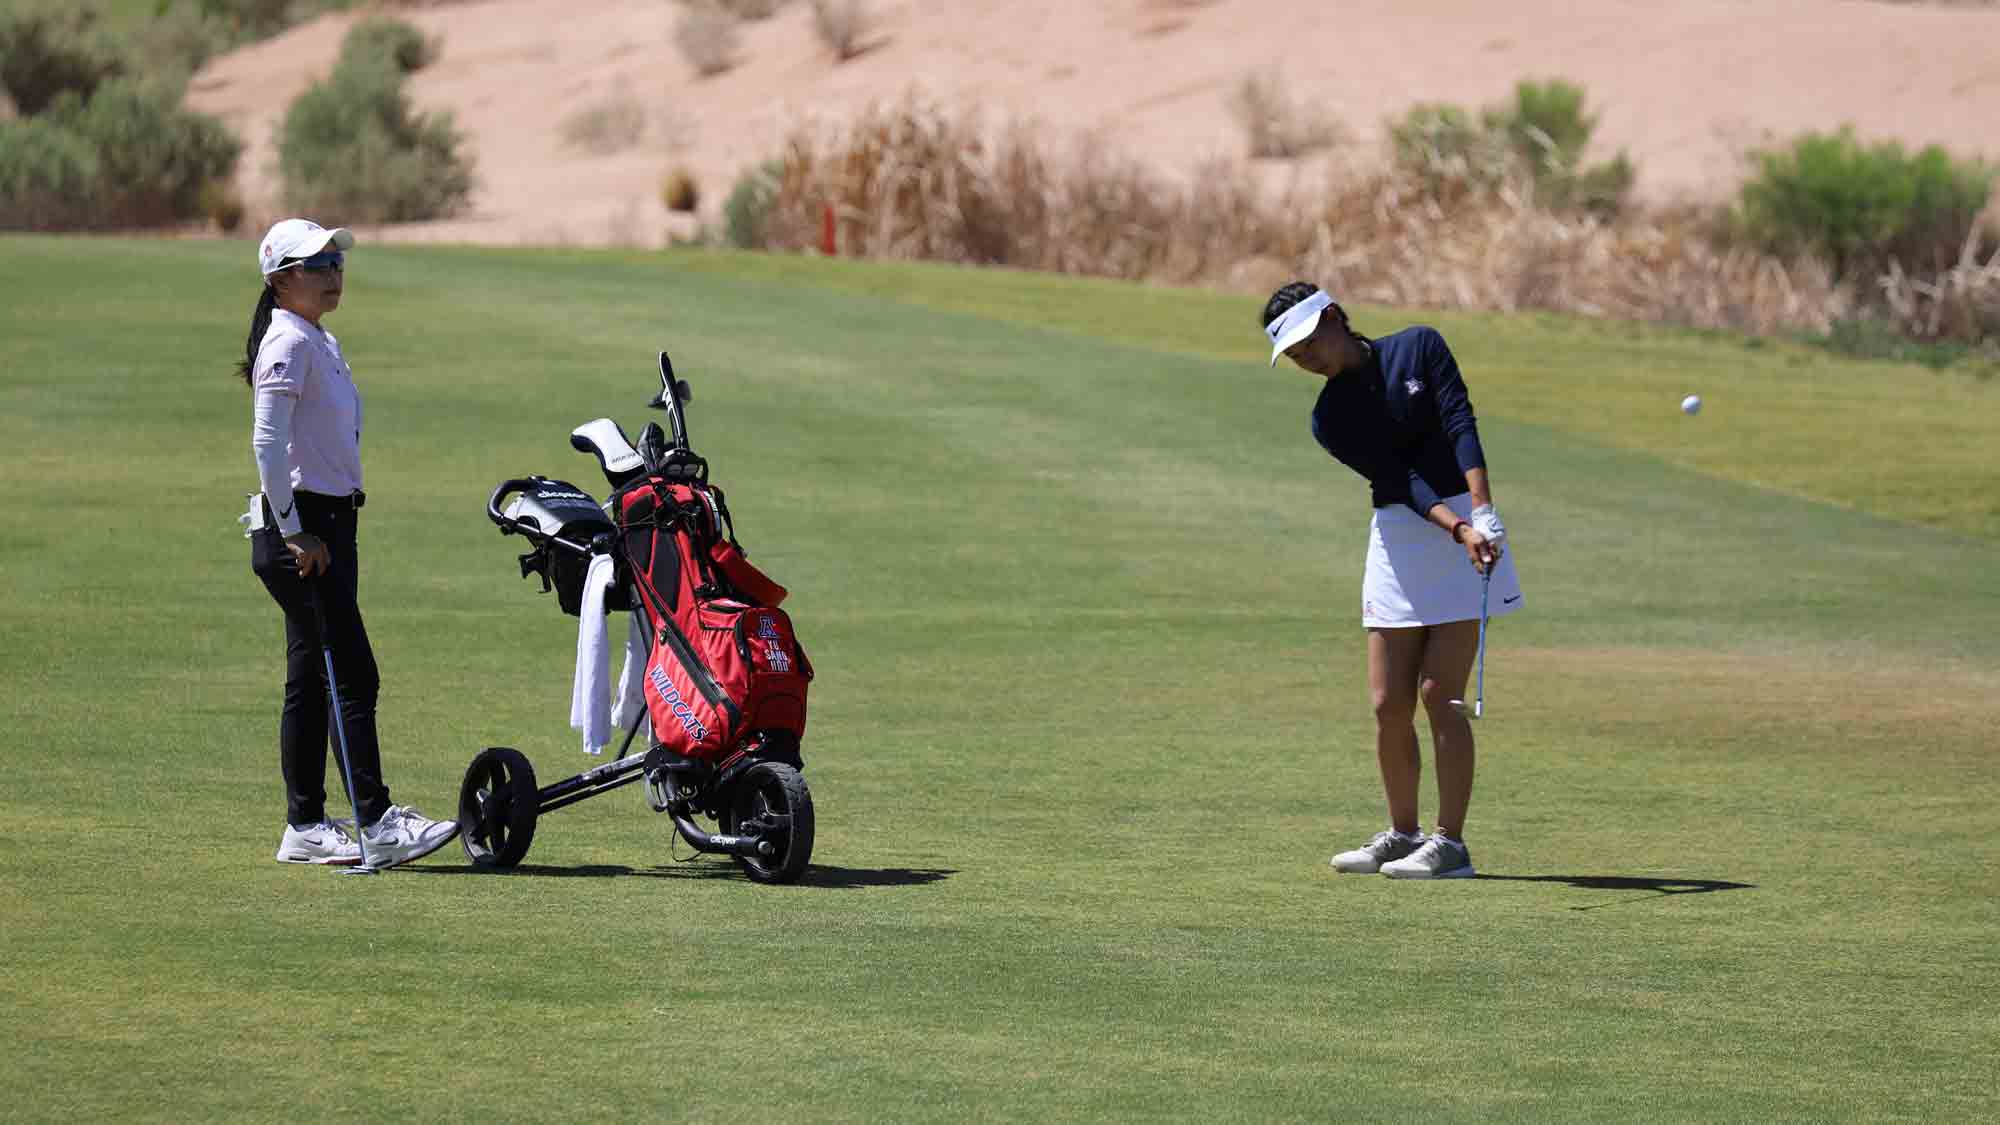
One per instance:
(1684, 85)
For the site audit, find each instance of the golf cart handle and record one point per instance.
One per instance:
(511, 526)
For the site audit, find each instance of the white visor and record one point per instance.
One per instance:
(1297, 323)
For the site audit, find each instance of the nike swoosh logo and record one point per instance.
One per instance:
(288, 509)
(1510, 601)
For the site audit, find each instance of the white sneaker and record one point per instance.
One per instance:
(404, 834)
(318, 843)
(1439, 858)
(1369, 857)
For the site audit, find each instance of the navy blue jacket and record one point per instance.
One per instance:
(1403, 421)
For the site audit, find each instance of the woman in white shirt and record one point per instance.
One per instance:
(307, 441)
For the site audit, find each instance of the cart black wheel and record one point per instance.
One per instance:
(771, 800)
(497, 806)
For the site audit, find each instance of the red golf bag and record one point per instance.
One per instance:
(726, 666)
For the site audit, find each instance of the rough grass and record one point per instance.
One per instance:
(1089, 720)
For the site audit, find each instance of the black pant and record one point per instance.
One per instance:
(303, 729)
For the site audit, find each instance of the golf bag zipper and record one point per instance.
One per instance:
(704, 680)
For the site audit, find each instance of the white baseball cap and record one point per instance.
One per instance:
(1296, 323)
(298, 238)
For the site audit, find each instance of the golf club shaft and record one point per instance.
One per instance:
(1485, 587)
(339, 724)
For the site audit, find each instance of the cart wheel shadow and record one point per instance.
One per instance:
(817, 875)
(1660, 887)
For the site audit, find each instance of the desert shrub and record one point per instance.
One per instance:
(841, 25)
(128, 156)
(1546, 124)
(394, 39)
(351, 148)
(751, 9)
(180, 38)
(223, 206)
(746, 213)
(1862, 207)
(1448, 151)
(707, 38)
(1534, 143)
(154, 159)
(253, 19)
(46, 52)
(1547, 128)
(47, 176)
(678, 191)
(601, 128)
(1275, 125)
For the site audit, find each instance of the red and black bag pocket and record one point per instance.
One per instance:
(691, 711)
(739, 671)
(777, 670)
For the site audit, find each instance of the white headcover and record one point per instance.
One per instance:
(1297, 323)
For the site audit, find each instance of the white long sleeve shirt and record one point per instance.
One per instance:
(307, 429)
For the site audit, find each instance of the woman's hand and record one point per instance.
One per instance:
(309, 553)
(1479, 550)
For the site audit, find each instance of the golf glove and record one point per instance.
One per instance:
(1486, 522)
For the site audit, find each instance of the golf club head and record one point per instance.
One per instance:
(681, 388)
(670, 386)
(361, 869)
(1478, 708)
(653, 446)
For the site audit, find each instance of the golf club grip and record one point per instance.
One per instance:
(319, 611)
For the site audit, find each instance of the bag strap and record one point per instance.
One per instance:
(728, 524)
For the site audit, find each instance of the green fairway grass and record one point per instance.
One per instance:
(1091, 715)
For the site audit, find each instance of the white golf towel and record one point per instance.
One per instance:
(591, 710)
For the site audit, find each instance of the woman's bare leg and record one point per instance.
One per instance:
(1394, 657)
(1447, 661)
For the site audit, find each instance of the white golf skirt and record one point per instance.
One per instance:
(1417, 576)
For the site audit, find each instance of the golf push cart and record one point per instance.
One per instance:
(725, 679)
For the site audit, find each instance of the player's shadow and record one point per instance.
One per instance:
(1661, 887)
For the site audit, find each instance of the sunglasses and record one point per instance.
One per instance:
(320, 263)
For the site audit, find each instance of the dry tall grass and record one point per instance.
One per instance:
(910, 180)
(1277, 125)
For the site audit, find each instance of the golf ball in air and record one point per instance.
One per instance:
(1691, 404)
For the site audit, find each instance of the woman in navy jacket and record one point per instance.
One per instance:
(1395, 410)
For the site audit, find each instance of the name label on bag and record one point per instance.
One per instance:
(671, 697)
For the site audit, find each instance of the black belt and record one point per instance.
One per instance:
(349, 502)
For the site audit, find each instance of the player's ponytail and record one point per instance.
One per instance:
(260, 322)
